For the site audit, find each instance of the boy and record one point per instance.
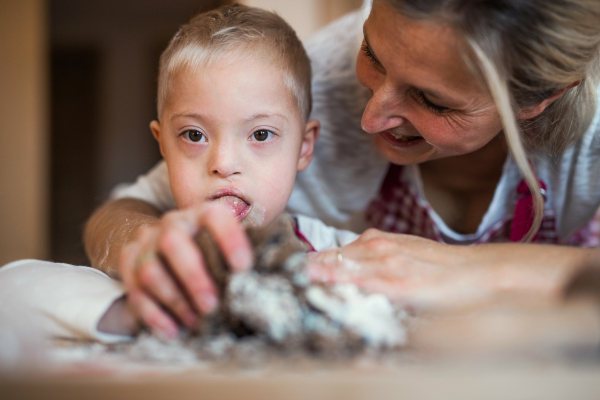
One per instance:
(233, 105)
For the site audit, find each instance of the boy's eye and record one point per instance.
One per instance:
(262, 134)
(195, 136)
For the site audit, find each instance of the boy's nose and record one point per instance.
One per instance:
(224, 161)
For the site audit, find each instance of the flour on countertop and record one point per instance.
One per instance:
(266, 301)
(372, 317)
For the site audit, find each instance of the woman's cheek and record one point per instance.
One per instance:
(366, 74)
(439, 131)
(360, 71)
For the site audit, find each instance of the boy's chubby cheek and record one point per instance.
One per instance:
(185, 191)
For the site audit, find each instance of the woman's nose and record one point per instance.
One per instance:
(383, 111)
(224, 160)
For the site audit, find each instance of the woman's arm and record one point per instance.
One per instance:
(428, 275)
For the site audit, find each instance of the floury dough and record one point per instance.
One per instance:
(275, 308)
(277, 302)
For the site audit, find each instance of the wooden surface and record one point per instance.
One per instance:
(448, 382)
(497, 351)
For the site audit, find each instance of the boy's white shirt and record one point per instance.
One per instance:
(57, 300)
(67, 301)
(321, 236)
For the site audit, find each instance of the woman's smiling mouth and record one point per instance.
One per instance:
(401, 140)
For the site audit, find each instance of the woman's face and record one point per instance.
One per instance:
(426, 103)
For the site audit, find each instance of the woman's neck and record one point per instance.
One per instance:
(460, 189)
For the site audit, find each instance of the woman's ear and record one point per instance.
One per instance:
(311, 133)
(155, 128)
(534, 111)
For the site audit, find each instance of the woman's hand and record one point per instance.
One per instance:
(164, 272)
(409, 270)
(424, 274)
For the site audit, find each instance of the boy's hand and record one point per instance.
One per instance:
(164, 272)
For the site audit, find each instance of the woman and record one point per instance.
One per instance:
(474, 111)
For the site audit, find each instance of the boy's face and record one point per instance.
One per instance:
(233, 133)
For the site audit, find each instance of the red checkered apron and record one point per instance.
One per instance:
(399, 209)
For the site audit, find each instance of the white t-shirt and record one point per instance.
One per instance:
(57, 300)
(347, 170)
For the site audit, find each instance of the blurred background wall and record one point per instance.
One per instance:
(77, 93)
(24, 130)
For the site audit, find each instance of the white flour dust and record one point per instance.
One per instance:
(255, 217)
(372, 317)
(268, 302)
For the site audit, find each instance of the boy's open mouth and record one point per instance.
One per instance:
(238, 207)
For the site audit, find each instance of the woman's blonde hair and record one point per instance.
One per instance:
(242, 31)
(526, 51)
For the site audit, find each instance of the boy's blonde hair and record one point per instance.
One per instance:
(245, 31)
(527, 50)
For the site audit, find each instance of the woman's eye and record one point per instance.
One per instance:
(369, 55)
(262, 134)
(439, 110)
(195, 136)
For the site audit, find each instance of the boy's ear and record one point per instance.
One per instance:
(313, 128)
(534, 111)
(155, 128)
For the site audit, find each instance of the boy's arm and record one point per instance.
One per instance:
(111, 227)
